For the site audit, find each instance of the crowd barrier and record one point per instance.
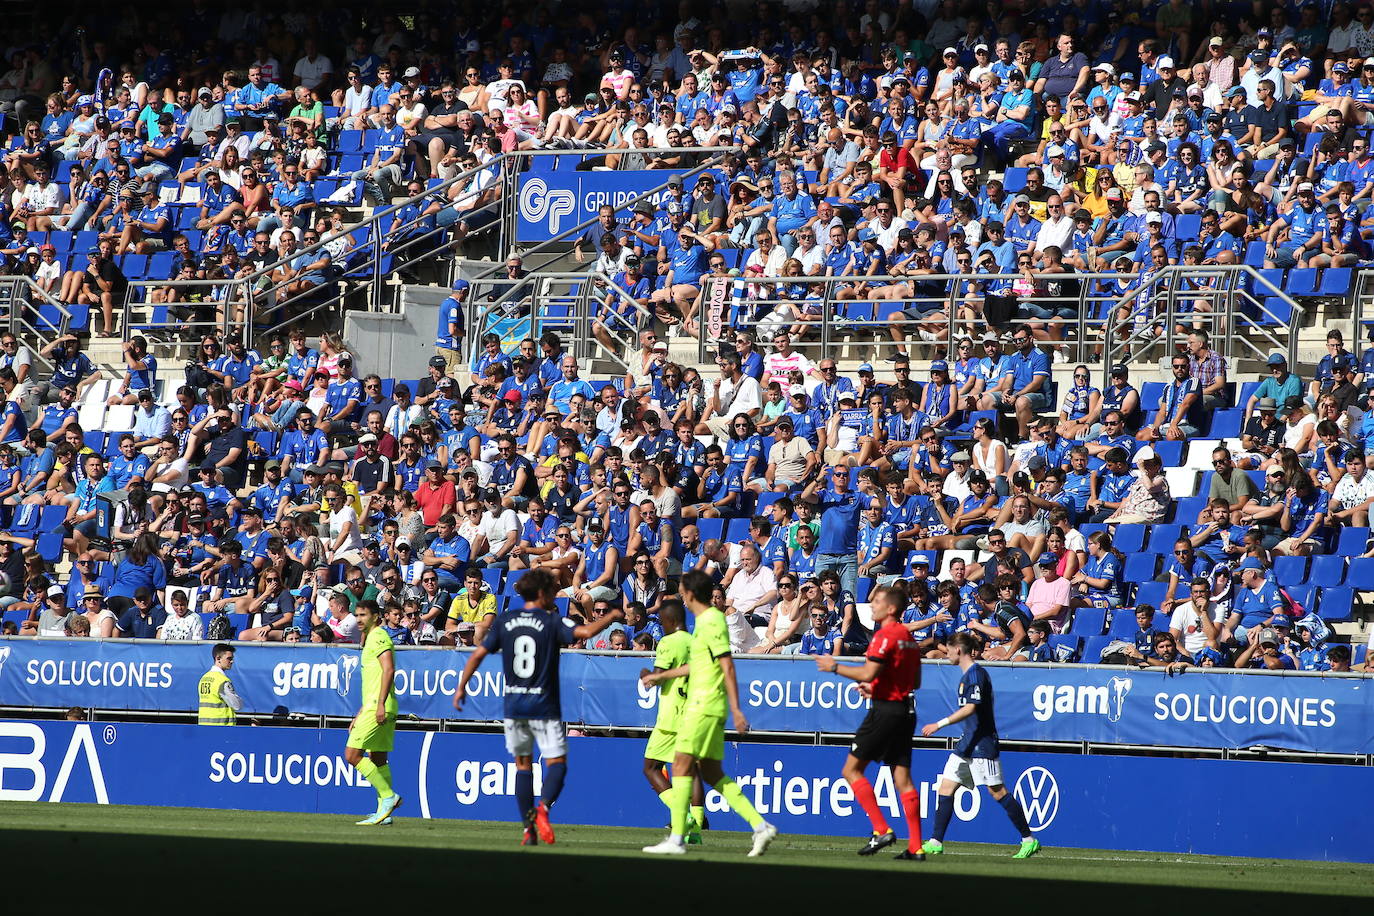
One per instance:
(1069, 800)
(1323, 714)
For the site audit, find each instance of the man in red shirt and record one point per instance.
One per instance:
(892, 673)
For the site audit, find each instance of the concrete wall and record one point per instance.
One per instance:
(397, 345)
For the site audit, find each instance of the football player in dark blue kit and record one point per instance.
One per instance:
(530, 640)
(976, 760)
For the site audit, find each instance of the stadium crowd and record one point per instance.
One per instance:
(1125, 139)
(276, 489)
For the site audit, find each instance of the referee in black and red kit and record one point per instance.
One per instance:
(893, 670)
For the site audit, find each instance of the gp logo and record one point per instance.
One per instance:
(539, 203)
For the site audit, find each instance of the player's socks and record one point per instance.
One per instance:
(944, 810)
(911, 807)
(384, 771)
(698, 815)
(374, 775)
(554, 774)
(730, 791)
(666, 796)
(1017, 814)
(863, 794)
(682, 801)
(524, 792)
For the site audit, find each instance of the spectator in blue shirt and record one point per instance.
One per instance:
(1179, 414)
(1280, 385)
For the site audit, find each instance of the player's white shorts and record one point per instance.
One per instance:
(974, 771)
(522, 735)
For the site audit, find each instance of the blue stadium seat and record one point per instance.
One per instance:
(1187, 508)
(711, 528)
(1141, 567)
(737, 530)
(1336, 605)
(1015, 180)
(492, 577)
(1129, 538)
(1352, 541)
(1092, 649)
(1301, 282)
(1335, 281)
(1162, 539)
(1360, 575)
(1169, 452)
(1151, 593)
(1089, 621)
(1073, 645)
(1304, 595)
(1327, 571)
(15, 617)
(863, 587)
(1290, 570)
(1226, 423)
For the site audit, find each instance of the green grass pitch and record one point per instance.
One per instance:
(68, 849)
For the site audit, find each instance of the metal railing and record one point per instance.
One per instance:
(21, 300)
(377, 236)
(1238, 316)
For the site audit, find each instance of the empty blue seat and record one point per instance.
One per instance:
(1290, 571)
(1302, 282)
(1327, 571)
(1226, 423)
(1360, 575)
(710, 528)
(1335, 605)
(1335, 281)
(492, 577)
(1089, 621)
(1162, 538)
(1169, 452)
(1140, 567)
(737, 530)
(863, 587)
(1129, 538)
(1151, 593)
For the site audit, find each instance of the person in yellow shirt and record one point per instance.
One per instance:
(471, 612)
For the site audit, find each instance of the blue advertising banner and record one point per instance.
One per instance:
(450, 775)
(552, 202)
(1332, 714)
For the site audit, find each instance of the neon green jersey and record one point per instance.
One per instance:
(706, 683)
(378, 643)
(674, 650)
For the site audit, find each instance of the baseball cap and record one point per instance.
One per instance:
(977, 476)
(1153, 217)
(1257, 56)
(1021, 199)
(1106, 68)
(1164, 61)
(1250, 563)
(438, 362)
(271, 463)
(848, 396)
(1306, 186)
(1114, 194)
(795, 390)
(144, 394)
(865, 367)
(939, 365)
(659, 347)
(1276, 359)
(1120, 370)
(57, 591)
(513, 396)
(312, 469)
(1293, 403)
(410, 71)
(366, 439)
(1048, 559)
(674, 181)
(1268, 637)
(293, 384)
(1216, 40)
(196, 519)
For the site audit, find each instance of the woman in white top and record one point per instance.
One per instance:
(331, 351)
(101, 618)
(789, 615)
(345, 537)
(1300, 435)
(522, 112)
(989, 453)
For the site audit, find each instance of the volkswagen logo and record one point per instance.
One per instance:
(1038, 793)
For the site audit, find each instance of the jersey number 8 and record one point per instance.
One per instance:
(522, 656)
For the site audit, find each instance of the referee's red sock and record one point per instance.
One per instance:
(863, 792)
(911, 807)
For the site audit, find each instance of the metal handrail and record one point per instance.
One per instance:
(17, 322)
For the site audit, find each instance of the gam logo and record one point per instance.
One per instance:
(1048, 700)
(1038, 792)
(538, 202)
